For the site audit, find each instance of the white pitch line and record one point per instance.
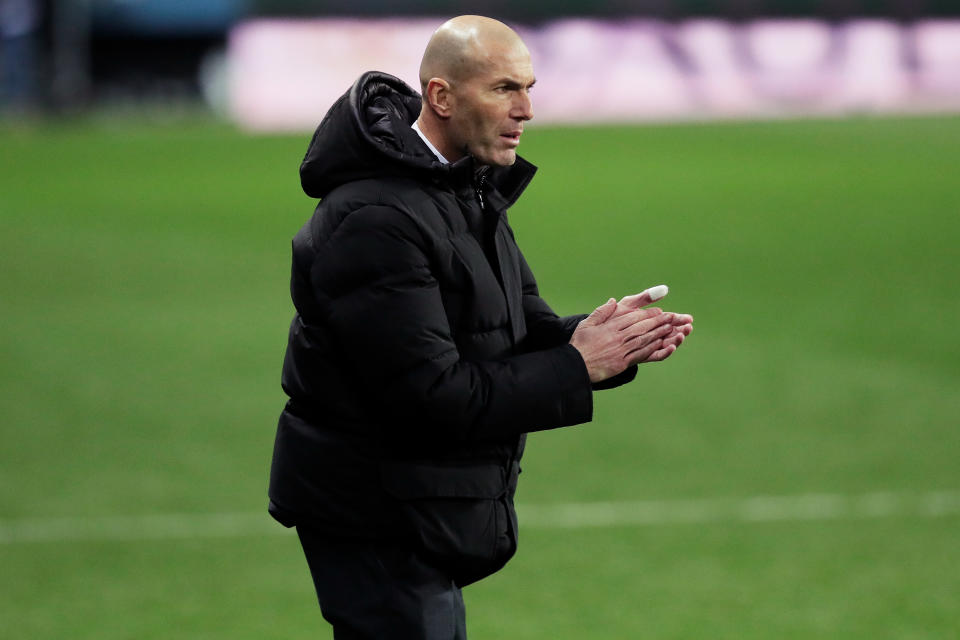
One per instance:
(755, 509)
(157, 526)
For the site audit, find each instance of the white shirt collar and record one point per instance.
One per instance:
(439, 155)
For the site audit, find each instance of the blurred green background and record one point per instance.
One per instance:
(144, 315)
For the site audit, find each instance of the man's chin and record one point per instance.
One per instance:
(504, 158)
(496, 158)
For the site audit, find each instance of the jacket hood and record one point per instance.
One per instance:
(367, 133)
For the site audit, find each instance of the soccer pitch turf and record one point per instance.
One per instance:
(144, 315)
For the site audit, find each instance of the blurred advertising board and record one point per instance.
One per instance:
(538, 11)
(285, 73)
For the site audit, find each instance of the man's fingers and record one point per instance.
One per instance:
(657, 350)
(640, 339)
(679, 334)
(630, 318)
(636, 301)
(671, 343)
(661, 354)
(659, 344)
(676, 339)
(654, 352)
(641, 321)
(642, 354)
(683, 330)
(644, 298)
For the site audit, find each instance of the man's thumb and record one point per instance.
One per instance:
(602, 313)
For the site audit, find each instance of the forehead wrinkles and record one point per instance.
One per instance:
(499, 60)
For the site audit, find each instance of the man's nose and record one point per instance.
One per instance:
(523, 107)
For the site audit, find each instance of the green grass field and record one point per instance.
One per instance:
(144, 315)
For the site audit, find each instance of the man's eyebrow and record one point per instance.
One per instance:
(513, 83)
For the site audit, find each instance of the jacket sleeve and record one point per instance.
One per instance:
(384, 309)
(546, 329)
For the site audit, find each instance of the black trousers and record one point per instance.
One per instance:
(378, 591)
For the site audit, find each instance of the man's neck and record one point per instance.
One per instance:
(416, 127)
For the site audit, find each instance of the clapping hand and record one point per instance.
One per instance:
(620, 334)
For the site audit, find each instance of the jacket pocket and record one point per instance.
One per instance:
(460, 517)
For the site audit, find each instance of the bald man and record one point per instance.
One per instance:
(421, 353)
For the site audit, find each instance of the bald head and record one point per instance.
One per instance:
(475, 77)
(464, 46)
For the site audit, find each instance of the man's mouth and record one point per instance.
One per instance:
(512, 137)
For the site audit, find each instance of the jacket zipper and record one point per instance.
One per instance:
(479, 190)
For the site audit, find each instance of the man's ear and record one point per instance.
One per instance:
(439, 98)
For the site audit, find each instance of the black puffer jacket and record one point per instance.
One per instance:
(421, 352)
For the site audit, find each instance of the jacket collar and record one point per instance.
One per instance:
(509, 182)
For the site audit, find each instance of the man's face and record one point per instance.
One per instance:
(492, 104)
